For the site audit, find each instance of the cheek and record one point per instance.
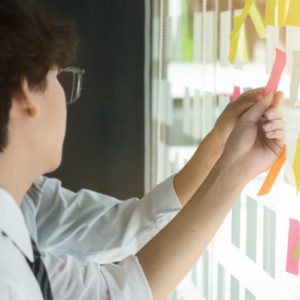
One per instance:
(59, 110)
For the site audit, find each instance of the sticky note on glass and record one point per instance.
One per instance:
(292, 263)
(225, 29)
(272, 86)
(236, 93)
(292, 44)
(257, 21)
(272, 43)
(297, 253)
(238, 21)
(293, 15)
(275, 12)
(296, 165)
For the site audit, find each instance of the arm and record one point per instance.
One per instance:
(250, 150)
(92, 226)
(190, 178)
(71, 279)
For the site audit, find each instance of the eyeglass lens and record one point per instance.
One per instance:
(71, 83)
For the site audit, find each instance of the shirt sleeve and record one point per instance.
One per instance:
(92, 226)
(71, 279)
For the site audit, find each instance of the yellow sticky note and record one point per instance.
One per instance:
(270, 12)
(258, 22)
(296, 165)
(293, 15)
(282, 10)
(238, 22)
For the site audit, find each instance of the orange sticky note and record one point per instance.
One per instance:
(273, 173)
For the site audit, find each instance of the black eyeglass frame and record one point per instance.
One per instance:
(77, 80)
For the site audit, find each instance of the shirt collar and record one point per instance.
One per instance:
(13, 225)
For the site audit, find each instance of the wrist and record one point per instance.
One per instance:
(231, 170)
(216, 140)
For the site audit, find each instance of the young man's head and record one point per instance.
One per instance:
(34, 46)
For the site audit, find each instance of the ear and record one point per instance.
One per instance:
(24, 102)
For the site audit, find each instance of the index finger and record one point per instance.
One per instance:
(278, 99)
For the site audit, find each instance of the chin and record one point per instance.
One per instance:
(55, 165)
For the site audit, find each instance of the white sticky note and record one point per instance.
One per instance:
(162, 103)
(292, 44)
(187, 112)
(272, 42)
(225, 30)
(238, 63)
(197, 36)
(197, 114)
(209, 37)
(178, 39)
(208, 113)
(169, 45)
(295, 79)
(169, 103)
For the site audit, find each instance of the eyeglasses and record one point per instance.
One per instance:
(71, 79)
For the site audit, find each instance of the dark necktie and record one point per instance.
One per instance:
(40, 272)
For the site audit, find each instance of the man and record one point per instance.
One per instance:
(82, 235)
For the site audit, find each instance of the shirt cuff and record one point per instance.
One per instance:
(165, 198)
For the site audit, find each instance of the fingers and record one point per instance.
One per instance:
(246, 100)
(275, 134)
(258, 109)
(273, 114)
(273, 125)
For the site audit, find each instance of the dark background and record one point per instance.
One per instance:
(104, 147)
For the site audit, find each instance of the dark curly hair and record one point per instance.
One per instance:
(32, 42)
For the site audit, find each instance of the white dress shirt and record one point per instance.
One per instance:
(78, 233)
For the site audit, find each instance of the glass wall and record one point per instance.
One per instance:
(192, 82)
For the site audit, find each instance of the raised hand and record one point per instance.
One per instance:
(258, 139)
(232, 113)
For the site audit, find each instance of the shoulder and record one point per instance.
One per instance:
(16, 278)
(11, 259)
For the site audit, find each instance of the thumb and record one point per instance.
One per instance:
(259, 108)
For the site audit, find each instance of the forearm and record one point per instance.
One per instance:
(190, 178)
(167, 258)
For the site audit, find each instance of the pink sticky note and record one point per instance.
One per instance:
(236, 93)
(276, 73)
(292, 264)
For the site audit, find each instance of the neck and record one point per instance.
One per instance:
(16, 176)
